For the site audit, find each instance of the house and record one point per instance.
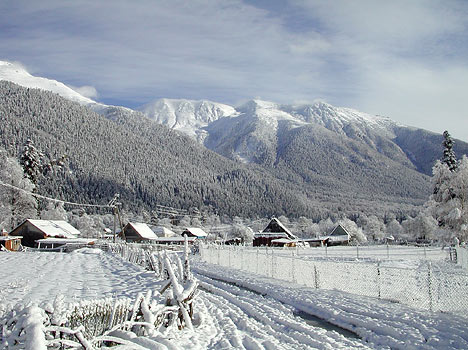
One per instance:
(10, 243)
(32, 230)
(274, 231)
(339, 236)
(137, 232)
(194, 232)
(162, 231)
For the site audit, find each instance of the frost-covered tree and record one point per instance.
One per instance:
(355, 232)
(449, 154)
(448, 204)
(31, 161)
(374, 228)
(394, 228)
(16, 203)
(243, 232)
(422, 227)
(54, 211)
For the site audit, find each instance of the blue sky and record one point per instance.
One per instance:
(406, 60)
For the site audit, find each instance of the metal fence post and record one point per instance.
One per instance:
(256, 270)
(357, 251)
(378, 278)
(293, 266)
(429, 286)
(316, 278)
(272, 257)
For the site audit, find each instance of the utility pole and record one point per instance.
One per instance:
(114, 204)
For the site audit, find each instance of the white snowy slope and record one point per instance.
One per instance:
(187, 116)
(18, 75)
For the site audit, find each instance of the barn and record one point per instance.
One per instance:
(275, 231)
(33, 230)
(138, 232)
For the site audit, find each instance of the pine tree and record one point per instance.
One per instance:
(31, 162)
(449, 154)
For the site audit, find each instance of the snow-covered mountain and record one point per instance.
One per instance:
(188, 116)
(17, 74)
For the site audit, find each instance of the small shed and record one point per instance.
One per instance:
(274, 231)
(194, 232)
(339, 236)
(137, 232)
(11, 243)
(32, 230)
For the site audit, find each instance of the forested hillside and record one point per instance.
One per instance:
(149, 164)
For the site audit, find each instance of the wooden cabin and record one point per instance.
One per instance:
(33, 230)
(138, 232)
(275, 231)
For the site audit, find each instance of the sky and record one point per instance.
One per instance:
(406, 60)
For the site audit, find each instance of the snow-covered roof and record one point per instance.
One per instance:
(9, 238)
(143, 230)
(55, 228)
(339, 234)
(283, 229)
(198, 232)
(283, 240)
(162, 231)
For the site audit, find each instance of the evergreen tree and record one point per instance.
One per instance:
(31, 162)
(449, 154)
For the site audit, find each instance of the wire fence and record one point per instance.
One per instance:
(427, 285)
(462, 257)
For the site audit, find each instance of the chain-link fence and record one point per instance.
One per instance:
(462, 257)
(427, 284)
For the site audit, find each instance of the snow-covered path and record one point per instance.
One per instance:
(235, 310)
(247, 320)
(381, 323)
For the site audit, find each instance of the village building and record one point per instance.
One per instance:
(138, 232)
(339, 236)
(274, 234)
(33, 230)
(194, 232)
(10, 243)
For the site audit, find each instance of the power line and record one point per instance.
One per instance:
(56, 200)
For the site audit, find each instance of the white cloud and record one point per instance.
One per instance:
(387, 57)
(86, 91)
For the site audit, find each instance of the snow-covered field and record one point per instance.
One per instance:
(235, 310)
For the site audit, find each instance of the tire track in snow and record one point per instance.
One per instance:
(270, 319)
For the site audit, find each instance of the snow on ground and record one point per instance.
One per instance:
(235, 310)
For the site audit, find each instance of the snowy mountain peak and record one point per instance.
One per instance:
(189, 116)
(17, 74)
